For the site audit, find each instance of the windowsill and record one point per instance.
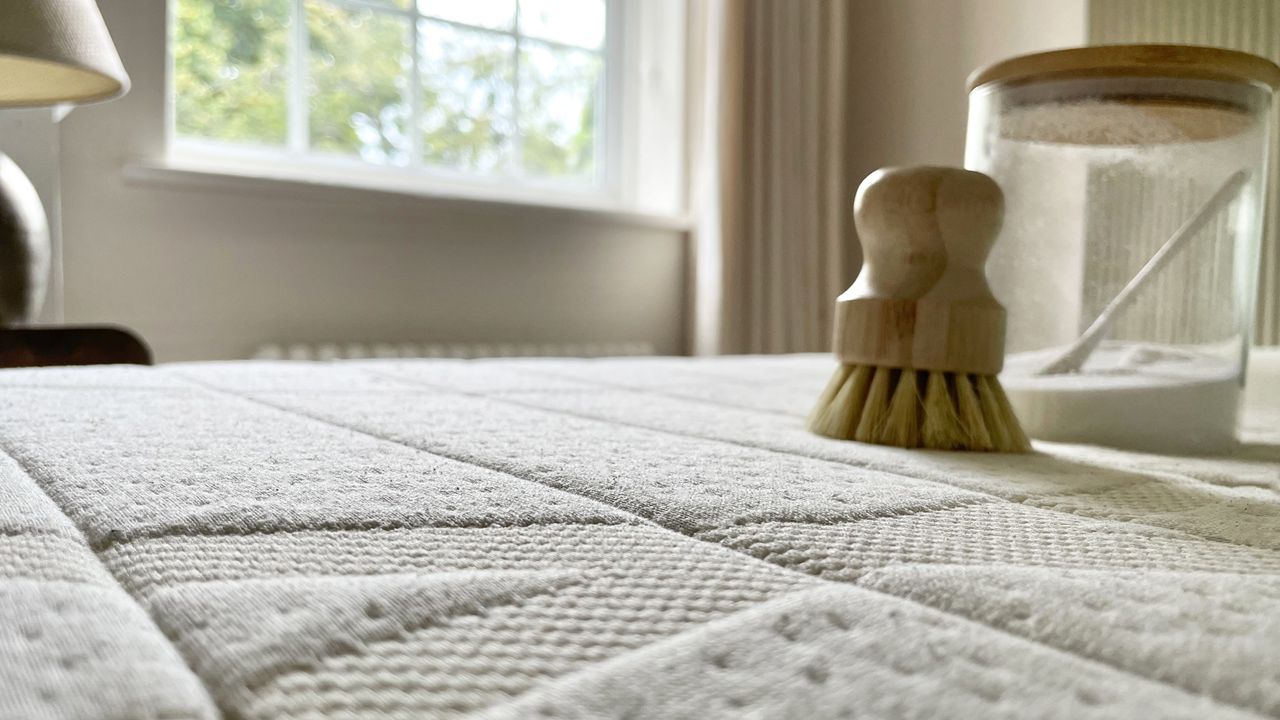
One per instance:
(326, 185)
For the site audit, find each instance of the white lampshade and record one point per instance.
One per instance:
(57, 51)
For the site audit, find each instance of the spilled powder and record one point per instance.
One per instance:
(1130, 395)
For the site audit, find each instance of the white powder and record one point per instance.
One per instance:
(1099, 123)
(1140, 397)
(1093, 189)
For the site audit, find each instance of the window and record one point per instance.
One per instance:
(506, 90)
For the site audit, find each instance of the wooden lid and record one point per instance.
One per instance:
(1173, 61)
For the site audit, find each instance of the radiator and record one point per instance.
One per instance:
(357, 350)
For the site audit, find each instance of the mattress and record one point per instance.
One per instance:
(624, 538)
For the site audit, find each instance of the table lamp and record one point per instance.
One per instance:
(52, 52)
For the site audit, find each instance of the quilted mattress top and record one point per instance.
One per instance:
(631, 538)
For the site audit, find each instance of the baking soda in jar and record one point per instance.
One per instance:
(1103, 153)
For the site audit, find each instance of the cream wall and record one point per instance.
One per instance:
(912, 58)
(212, 270)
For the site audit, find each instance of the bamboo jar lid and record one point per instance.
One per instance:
(1171, 61)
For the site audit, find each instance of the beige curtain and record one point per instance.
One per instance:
(771, 194)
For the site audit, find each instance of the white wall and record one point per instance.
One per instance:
(213, 271)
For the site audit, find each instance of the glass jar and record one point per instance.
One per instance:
(1104, 154)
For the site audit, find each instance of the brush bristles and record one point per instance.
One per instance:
(972, 419)
(875, 406)
(941, 427)
(918, 409)
(848, 387)
(901, 426)
(1011, 435)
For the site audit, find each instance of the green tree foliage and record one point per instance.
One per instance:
(230, 69)
(557, 111)
(232, 78)
(467, 97)
(359, 65)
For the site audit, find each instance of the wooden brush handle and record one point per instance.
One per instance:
(922, 300)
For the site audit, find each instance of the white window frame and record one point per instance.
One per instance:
(640, 134)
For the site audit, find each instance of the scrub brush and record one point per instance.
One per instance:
(919, 335)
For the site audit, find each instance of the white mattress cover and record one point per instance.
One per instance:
(629, 538)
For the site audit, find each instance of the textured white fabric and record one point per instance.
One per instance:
(610, 538)
(838, 652)
(55, 51)
(240, 635)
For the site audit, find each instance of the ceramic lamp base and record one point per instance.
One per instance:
(24, 246)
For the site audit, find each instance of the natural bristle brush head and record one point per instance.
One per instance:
(919, 335)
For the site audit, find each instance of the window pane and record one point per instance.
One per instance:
(230, 69)
(359, 61)
(476, 108)
(558, 104)
(467, 107)
(496, 14)
(573, 22)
